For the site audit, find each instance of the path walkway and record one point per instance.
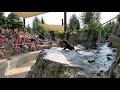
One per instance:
(21, 71)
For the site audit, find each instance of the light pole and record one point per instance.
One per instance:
(65, 21)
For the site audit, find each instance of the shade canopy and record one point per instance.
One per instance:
(28, 14)
(53, 27)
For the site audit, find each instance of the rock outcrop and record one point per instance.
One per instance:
(116, 30)
(114, 42)
(57, 63)
(86, 38)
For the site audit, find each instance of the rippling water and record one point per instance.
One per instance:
(80, 58)
(101, 60)
(100, 57)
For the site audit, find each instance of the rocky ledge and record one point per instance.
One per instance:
(57, 63)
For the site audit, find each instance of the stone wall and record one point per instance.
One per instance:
(16, 61)
(116, 31)
(114, 42)
(86, 38)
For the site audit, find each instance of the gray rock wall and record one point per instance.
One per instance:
(57, 65)
(48, 69)
(86, 38)
(114, 42)
(116, 31)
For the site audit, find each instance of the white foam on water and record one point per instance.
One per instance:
(85, 53)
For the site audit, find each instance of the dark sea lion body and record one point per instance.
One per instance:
(68, 45)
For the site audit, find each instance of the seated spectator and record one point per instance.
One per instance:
(1, 51)
(25, 47)
(2, 55)
(2, 40)
(11, 45)
(6, 43)
(7, 34)
(17, 49)
(20, 40)
(32, 47)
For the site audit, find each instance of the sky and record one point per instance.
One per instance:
(55, 18)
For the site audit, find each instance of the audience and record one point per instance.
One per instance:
(19, 41)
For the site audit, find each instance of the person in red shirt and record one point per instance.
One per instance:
(2, 41)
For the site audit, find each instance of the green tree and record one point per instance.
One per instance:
(90, 20)
(42, 21)
(2, 20)
(74, 23)
(97, 16)
(89, 17)
(28, 28)
(109, 28)
(36, 26)
(118, 18)
(36, 22)
(106, 30)
(38, 29)
(13, 21)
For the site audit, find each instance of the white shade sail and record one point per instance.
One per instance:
(28, 14)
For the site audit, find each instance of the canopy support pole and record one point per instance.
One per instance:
(24, 22)
(65, 25)
(65, 21)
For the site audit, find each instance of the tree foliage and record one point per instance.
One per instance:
(38, 29)
(28, 28)
(2, 20)
(89, 17)
(90, 20)
(74, 23)
(13, 21)
(36, 23)
(118, 18)
(106, 30)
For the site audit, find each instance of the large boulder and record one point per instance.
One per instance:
(57, 63)
(114, 42)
